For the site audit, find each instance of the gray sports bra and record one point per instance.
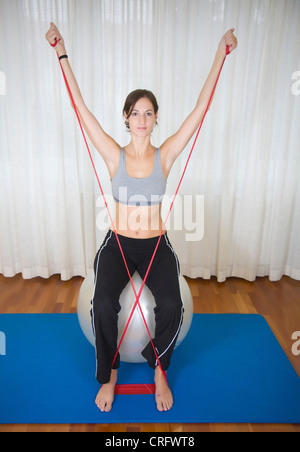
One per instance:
(146, 191)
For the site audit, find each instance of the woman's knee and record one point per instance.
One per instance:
(105, 303)
(169, 304)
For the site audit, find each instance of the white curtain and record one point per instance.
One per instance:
(238, 210)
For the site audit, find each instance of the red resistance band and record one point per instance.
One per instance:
(137, 389)
(137, 296)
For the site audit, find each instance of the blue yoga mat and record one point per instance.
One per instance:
(230, 368)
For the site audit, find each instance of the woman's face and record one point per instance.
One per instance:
(142, 118)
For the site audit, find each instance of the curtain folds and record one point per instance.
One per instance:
(238, 210)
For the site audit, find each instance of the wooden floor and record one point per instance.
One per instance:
(278, 302)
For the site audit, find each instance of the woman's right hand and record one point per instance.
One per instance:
(52, 36)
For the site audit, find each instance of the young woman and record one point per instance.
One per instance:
(138, 173)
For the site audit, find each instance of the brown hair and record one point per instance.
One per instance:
(133, 98)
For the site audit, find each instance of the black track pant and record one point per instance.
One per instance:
(111, 277)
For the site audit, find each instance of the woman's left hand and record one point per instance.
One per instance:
(228, 40)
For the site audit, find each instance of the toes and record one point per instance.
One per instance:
(160, 407)
(167, 405)
(103, 405)
(108, 407)
(100, 404)
(164, 405)
(170, 404)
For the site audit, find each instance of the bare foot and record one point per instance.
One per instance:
(163, 395)
(105, 397)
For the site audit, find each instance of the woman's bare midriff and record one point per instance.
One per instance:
(141, 222)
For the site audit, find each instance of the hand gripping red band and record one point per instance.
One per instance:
(164, 227)
(56, 41)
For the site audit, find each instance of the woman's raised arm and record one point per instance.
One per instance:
(105, 145)
(174, 145)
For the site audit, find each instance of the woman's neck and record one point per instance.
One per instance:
(140, 146)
